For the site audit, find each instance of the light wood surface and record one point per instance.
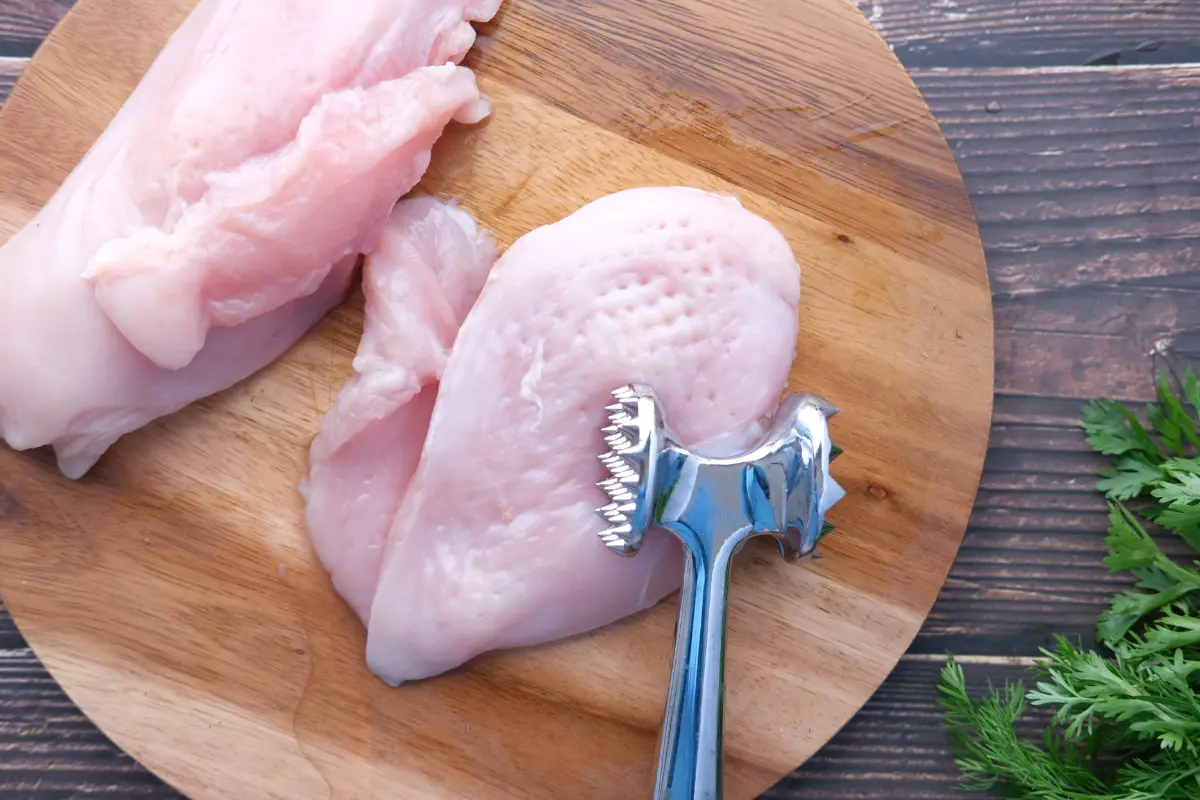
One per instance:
(174, 596)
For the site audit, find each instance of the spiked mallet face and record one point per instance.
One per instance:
(779, 488)
(633, 434)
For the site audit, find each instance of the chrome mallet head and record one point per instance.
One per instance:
(779, 488)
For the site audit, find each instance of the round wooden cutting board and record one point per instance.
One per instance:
(173, 593)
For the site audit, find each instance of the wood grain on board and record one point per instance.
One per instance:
(233, 676)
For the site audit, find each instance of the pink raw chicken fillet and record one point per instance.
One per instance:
(419, 285)
(220, 214)
(493, 542)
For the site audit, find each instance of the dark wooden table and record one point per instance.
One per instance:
(1077, 128)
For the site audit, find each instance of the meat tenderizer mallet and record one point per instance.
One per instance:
(780, 487)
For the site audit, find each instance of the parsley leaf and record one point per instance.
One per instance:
(1177, 629)
(1113, 430)
(1180, 494)
(1169, 419)
(1191, 388)
(1130, 478)
(1160, 579)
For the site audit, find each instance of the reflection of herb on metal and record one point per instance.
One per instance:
(1127, 720)
(660, 505)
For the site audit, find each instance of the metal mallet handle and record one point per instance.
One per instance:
(690, 748)
(778, 488)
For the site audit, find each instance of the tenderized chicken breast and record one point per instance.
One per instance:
(419, 285)
(219, 216)
(495, 543)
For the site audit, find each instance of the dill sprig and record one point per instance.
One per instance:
(1126, 716)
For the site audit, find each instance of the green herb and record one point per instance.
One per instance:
(1126, 717)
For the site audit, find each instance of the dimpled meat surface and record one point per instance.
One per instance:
(496, 542)
(220, 214)
(418, 285)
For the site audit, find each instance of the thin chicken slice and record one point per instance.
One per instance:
(419, 285)
(495, 544)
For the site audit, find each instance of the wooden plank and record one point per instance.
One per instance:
(10, 70)
(48, 748)
(1031, 563)
(10, 637)
(1092, 339)
(1086, 185)
(24, 23)
(1027, 33)
(1078, 176)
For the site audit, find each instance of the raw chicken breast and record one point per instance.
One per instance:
(270, 230)
(260, 154)
(495, 543)
(419, 285)
(267, 142)
(69, 379)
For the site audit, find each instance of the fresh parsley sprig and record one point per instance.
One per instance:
(1126, 718)
(1160, 581)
